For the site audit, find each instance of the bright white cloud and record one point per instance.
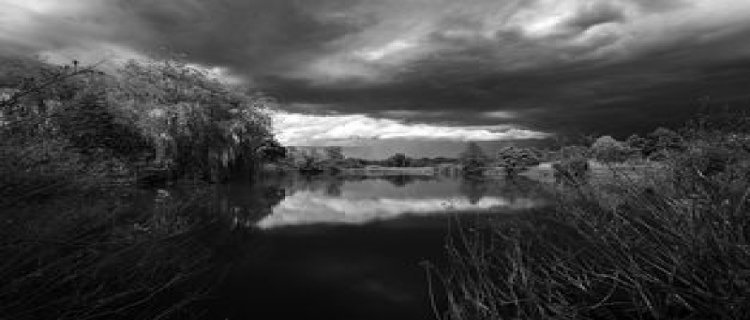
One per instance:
(305, 129)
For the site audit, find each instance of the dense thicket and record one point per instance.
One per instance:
(666, 242)
(75, 245)
(61, 125)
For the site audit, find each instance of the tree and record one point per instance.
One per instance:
(334, 153)
(636, 144)
(205, 126)
(572, 170)
(662, 141)
(607, 149)
(398, 160)
(272, 151)
(568, 152)
(473, 159)
(515, 159)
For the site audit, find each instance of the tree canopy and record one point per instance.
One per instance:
(473, 159)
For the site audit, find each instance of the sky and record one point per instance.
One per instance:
(396, 72)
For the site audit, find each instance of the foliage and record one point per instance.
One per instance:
(607, 149)
(516, 159)
(398, 160)
(571, 170)
(335, 153)
(636, 143)
(206, 127)
(473, 159)
(567, 152)
(90, 126)
(662, 141)
(54, 131)
(73, 126)
(671, 247)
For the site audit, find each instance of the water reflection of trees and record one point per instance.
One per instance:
(248, 203)
(403, 180)
(331, 185)
(474, 189)
(244, 204)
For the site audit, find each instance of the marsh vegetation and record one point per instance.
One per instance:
(671, 245)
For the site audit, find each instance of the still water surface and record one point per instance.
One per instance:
(350, 248)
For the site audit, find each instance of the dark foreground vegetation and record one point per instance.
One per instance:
(107, 256)
(78, 241)
(673, 245)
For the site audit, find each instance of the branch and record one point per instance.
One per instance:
(50, 81)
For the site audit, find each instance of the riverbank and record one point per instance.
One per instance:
(390, 171)
(659, 240)
(601, 173)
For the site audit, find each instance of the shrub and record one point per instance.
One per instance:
(607, 149)
(571, 170)
(675, 248)
(661, 142)
(473, 159)
(516, 159)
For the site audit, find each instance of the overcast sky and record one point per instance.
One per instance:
(449, 70)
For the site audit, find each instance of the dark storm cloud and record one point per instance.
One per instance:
(248, 36)
(593, 16)
(607, 83)
(606, 66)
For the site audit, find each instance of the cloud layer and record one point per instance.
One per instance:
(308, 130)
(604, 66)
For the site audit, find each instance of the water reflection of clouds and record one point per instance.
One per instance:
(315, 208)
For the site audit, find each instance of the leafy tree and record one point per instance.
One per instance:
(335, 153)
(90, 125)
(662, 141)
(636, 144)
(515, 159)
(203, 126)
(398, 160)
(473, 159)
(272, 151)
(607, 149)
(572, 170)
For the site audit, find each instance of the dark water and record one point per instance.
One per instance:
(349, 248)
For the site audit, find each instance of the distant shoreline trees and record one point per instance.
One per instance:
(473, 159)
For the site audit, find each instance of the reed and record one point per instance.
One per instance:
(667, 246)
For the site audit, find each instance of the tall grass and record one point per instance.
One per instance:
(668, 246)
(100, 256)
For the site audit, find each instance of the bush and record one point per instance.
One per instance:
(607, 149)
(200, 124)
(571, 170)
(661, 142)
(517, 159)
(675, 248)
(473, 159)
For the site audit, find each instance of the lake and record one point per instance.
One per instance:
(350, 248)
